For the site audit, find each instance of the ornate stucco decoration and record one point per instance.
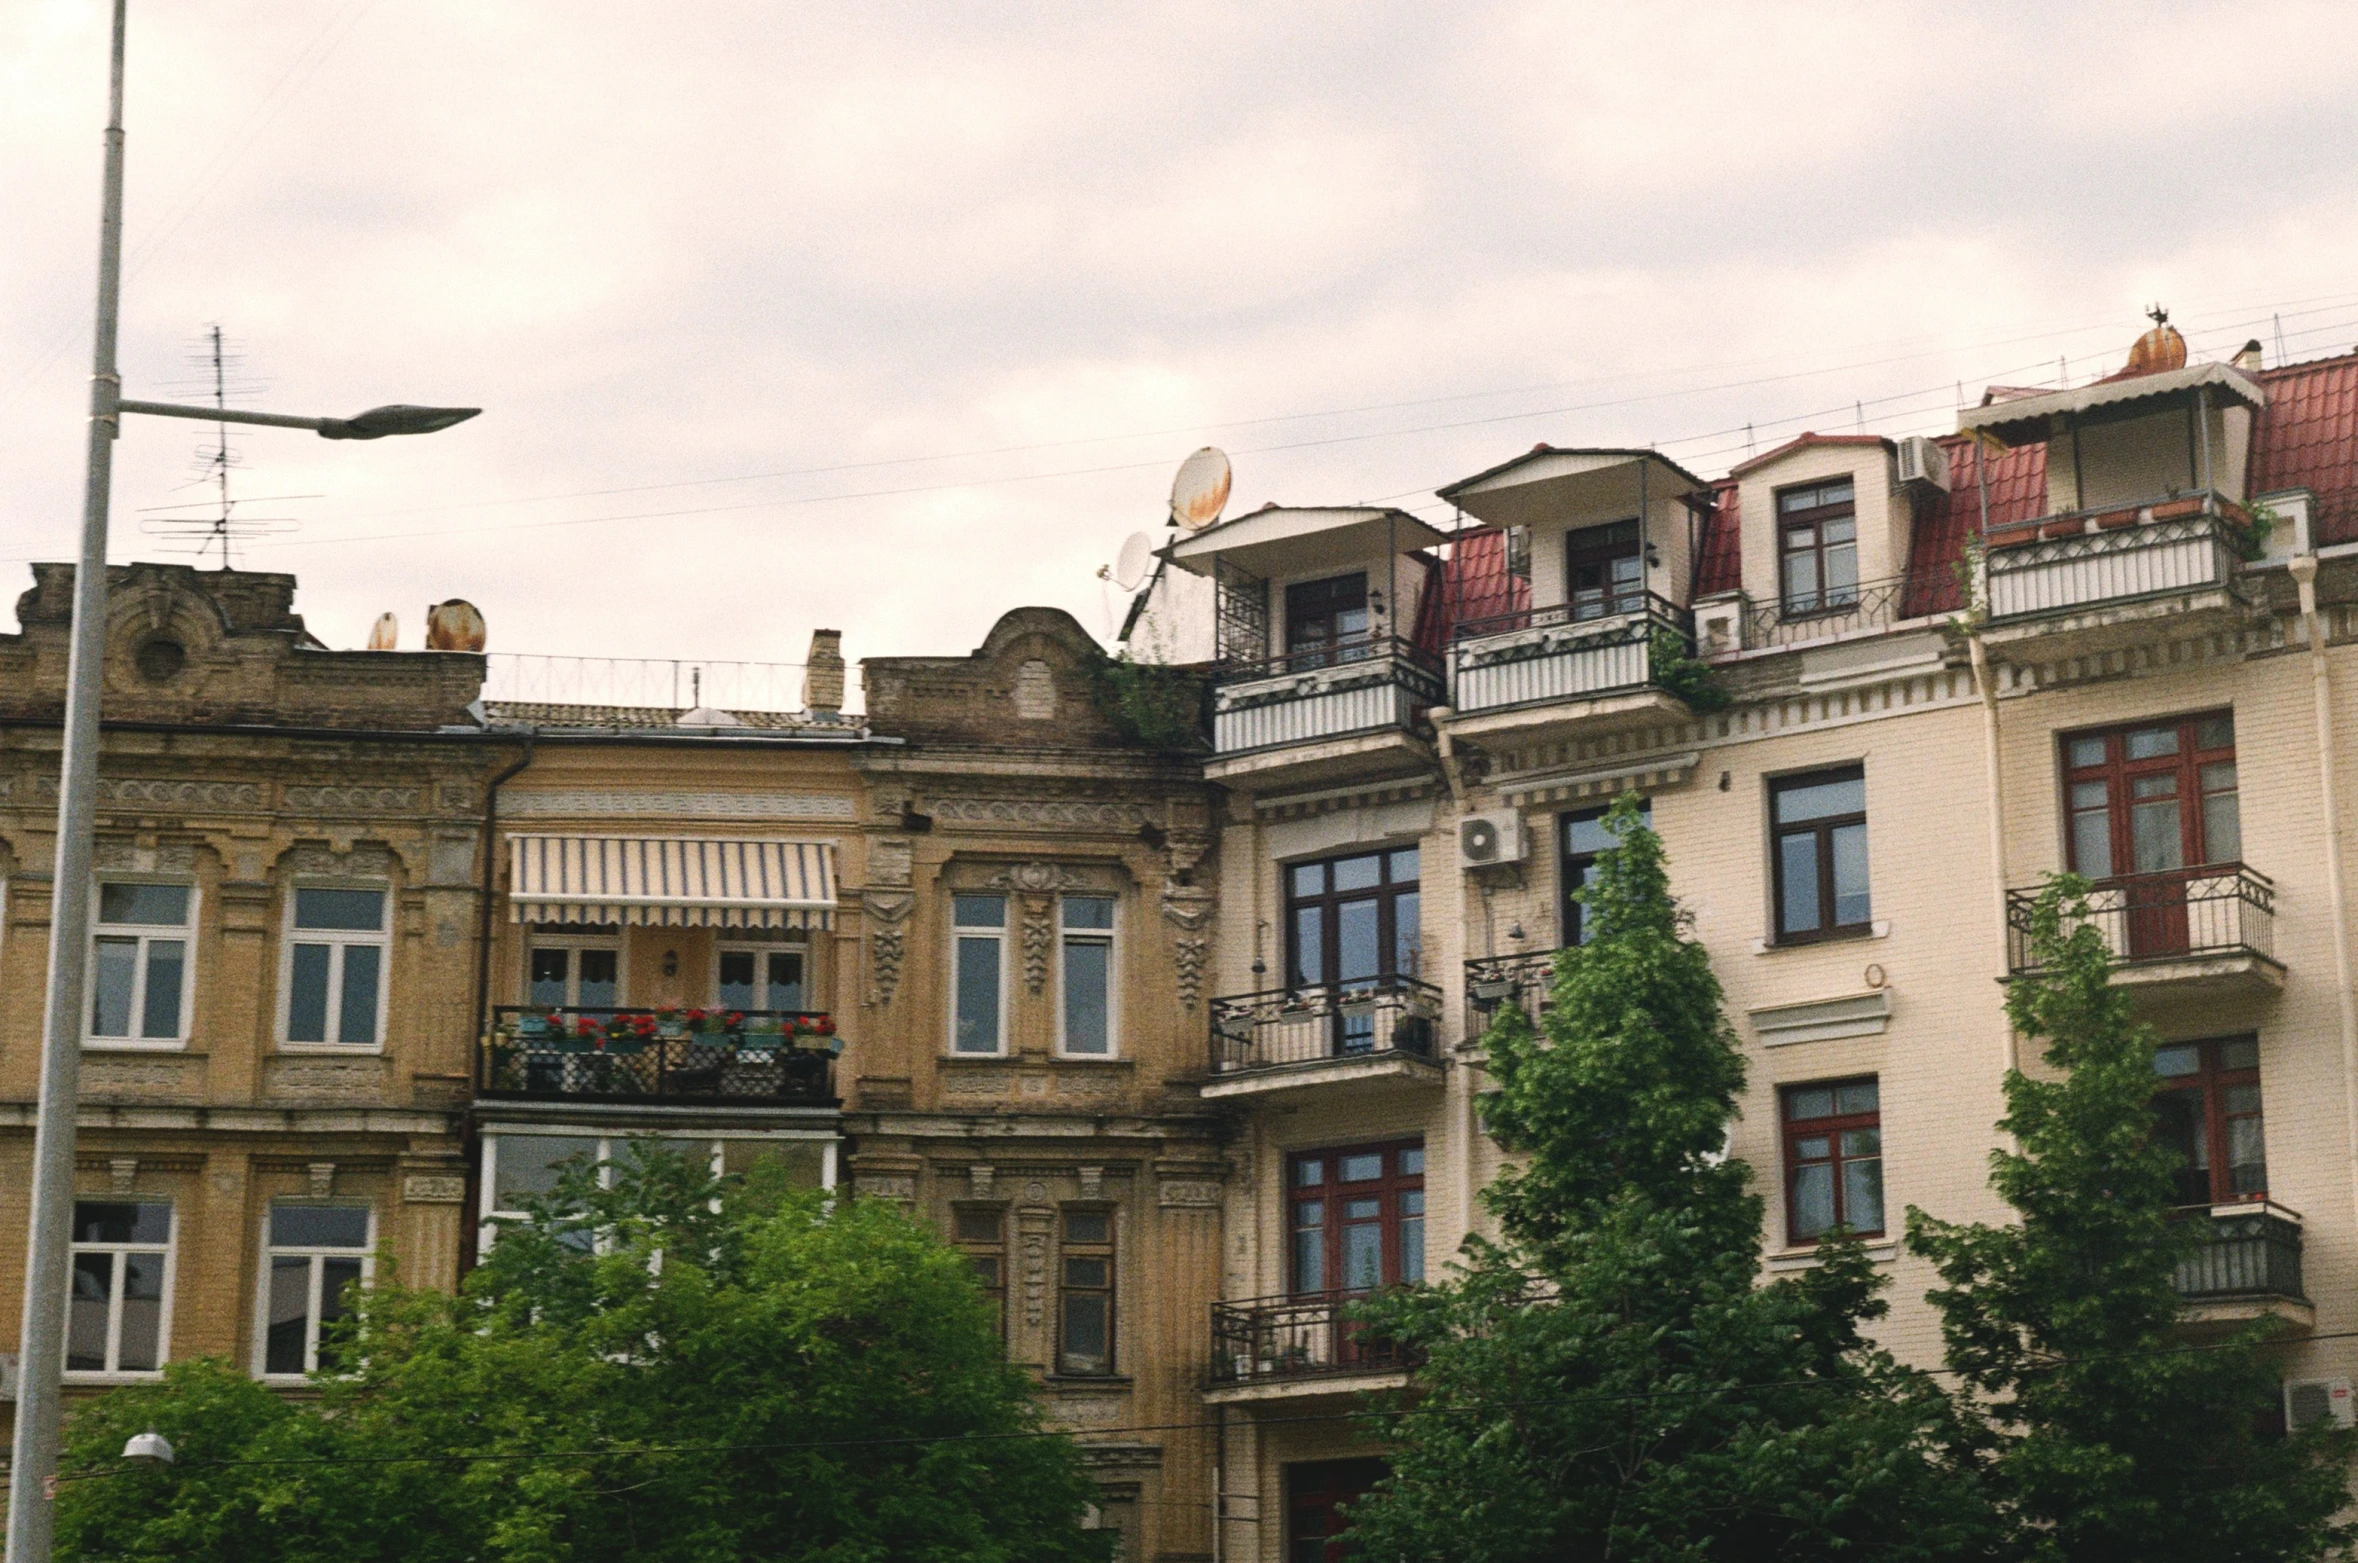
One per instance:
(1036, 886)
(1188, 909)
(888, 938)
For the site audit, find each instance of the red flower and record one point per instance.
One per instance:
(736, 1019)
(824, 1025)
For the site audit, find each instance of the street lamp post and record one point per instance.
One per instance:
(41, 1350)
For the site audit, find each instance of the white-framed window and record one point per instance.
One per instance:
(140, 963)
(313, 1255)
(1086, 975)
(978, 974)
(334, 973)
(573, 971)
(118, 1316)
(521, 1162)
(762, 977)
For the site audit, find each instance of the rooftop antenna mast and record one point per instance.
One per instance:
(201, 534)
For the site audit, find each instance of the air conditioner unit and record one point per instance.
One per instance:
(1921, 460)
(1487, 839)
(2308, 1401)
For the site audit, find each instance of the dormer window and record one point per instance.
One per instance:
(1604, 570)
(1818, 547)
(1323, 617)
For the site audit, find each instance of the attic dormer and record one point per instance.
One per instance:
(1835, 523)
(1601, 530)
(1308, 583)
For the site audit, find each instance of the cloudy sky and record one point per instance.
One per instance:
(888, 316)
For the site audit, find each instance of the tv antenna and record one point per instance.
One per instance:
(227, 524)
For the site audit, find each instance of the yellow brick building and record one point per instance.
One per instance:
(2055, 640)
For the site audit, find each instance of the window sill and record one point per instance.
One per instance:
(335, 1049)
(1874, 930)
(1088, 1380)
(82, 1376)
(133, 1045)
(1098, 1060)
(1881, 1250)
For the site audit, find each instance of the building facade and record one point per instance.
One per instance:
(278, 1020)
(1870, 692)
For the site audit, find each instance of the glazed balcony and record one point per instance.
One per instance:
(1270, 1348)
(1336, 711)
(2248, 1263)
(1541, 673)
(2190, 930)
(1387, 1029)
(2089, 572)
(1495, 981)
(638, 1057)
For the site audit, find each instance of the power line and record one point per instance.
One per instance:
(1631, 1397)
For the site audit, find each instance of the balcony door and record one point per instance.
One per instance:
(1317, 1495)
(2208, 1104)
(1604, 570)
(1352, 922)
(1326, 621)
(2151, 808)
(1357, 1218)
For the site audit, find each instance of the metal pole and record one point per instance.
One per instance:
(41, 1352)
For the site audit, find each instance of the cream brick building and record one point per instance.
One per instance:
(1415, 724)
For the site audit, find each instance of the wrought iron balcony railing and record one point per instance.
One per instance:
(1566, 652)
(1321, 692)
(746, 1057)
(1844, 610)
(1311, 1025)
(2249, 1252)
(2118, 554)
(1495, 980)
(2221, 909)
(1266, 1339)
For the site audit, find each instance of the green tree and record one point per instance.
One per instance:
(1611, 1380)
(2116, 1437)
(661, 1370)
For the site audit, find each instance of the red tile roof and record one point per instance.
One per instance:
(1720, 565)
(2307, 437)
(1473, 583)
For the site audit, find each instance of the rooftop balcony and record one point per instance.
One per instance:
(1286, 1348)
(2208, 930)
(641, 1057)
(2091, 580)
(1383, 1030)
(1334, 711)
(1542, 673)
(2248, 1264)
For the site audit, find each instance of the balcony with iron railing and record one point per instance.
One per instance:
(1495, 981)
(2247, 1262)
(2209, 929)
(1269, 1348)
(1862, 608)
(640, 1057)
(2091, 570)
(1288, 1039)
(1335, 707)
(1572, 665)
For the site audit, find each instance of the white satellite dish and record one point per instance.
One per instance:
(1136, 558)
(1200, 492)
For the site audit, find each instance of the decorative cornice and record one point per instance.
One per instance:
(1300, 805)
(353, 800)
(1026, 813)
(617, 804)
(1644, 773)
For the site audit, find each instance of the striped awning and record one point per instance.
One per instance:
(672, 881)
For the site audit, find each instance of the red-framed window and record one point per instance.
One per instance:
(2208, 1103)
(2152, 798)
(1833, 1157)
(1327, 615)
(1315, 1494)
(1356, 1218)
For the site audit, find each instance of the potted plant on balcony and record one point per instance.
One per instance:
(534, 1024)
(670, 1024)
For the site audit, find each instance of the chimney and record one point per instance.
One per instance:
(2249, 358)
(822, 675)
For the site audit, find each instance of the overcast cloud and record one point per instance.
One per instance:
(764, 279)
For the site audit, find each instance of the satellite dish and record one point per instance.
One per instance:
(385, 634)
(1200, 492)
(1137, 557)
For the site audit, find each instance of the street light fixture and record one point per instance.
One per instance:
(41, 1350)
